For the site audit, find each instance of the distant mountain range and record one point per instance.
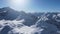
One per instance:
(8, 13)
(43, 20)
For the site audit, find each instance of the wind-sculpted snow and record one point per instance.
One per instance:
(17, 27)
(40, 27)
(12, 24)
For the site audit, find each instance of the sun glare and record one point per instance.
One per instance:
(19, 2)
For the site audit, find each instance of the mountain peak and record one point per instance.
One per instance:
(5, 9)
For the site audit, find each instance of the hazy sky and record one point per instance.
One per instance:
(32, 5)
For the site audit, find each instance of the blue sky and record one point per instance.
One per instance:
(35, 5)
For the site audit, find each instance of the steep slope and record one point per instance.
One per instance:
(53, 18)
(8, 13)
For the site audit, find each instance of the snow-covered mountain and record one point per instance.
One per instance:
(10, 14)
(14, 22)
